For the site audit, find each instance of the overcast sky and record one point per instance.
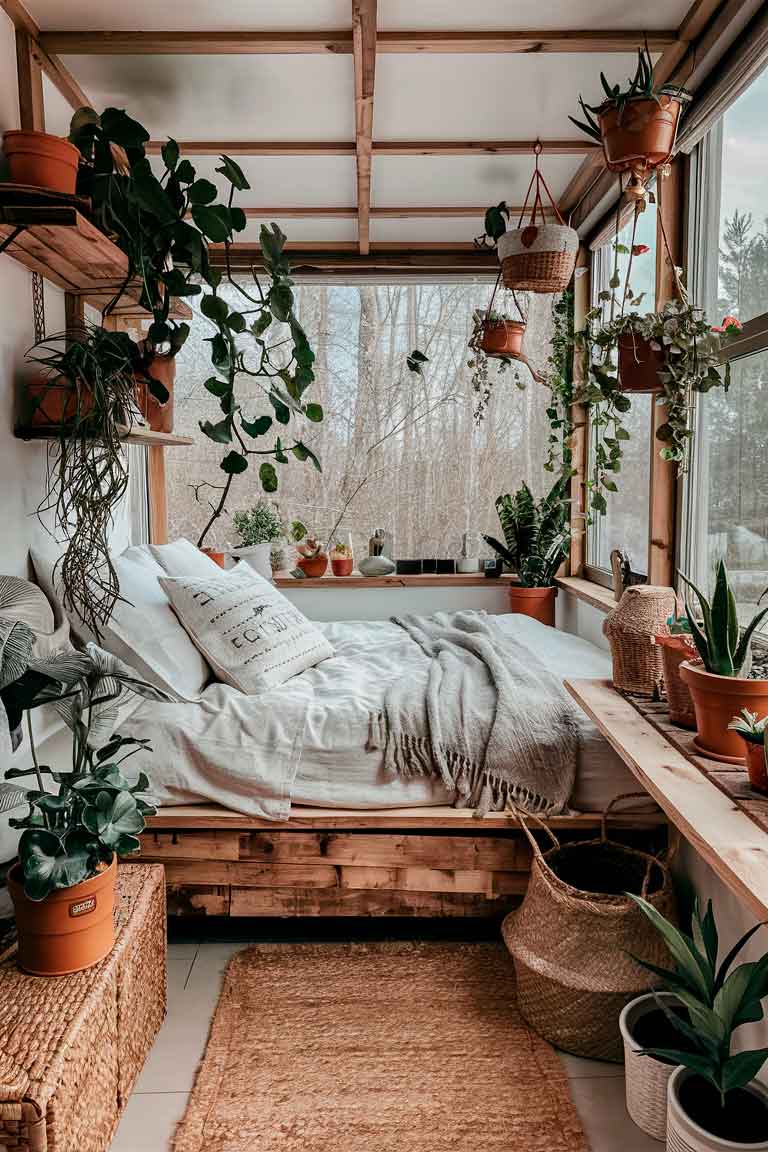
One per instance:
(745, 159)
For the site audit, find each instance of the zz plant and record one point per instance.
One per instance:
(93, 811)
(537, 535)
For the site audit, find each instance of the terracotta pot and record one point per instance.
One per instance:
(639, 365)
(754, 755)
(716, 700)
(536, 602)
(159, 416)
(57, 402)
(686, 1135)
(502, 339)
(642, 135)
(674, 650)
(313, 566)
(42, 160)
(70, 930)
(215, 555)
(342, 565)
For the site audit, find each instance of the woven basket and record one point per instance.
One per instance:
(538, 259)
(645, 1077)
(675, 649)
(638, 663)
(571, 943)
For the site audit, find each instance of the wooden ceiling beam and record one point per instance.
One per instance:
(57, 73)
(364, 56)
(341, 41)
(295, 212)
(379, 147)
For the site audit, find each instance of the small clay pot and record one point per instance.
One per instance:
(538, 603)
(56, 402)
(159, 416)
(70, 930)
(639, 364)
(640, 135)
(502, 338)
(342, 565)
(215, 555)
(754, 756)
(313, 566)
(716, 700)
(41, 160)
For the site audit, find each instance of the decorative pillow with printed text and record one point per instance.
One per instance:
(250, 634)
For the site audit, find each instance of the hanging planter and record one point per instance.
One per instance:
(538, 256)
(639, 364)
(502, 337)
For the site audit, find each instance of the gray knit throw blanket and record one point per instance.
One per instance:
(488, 718)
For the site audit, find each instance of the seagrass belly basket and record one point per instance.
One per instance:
(574, 935)
(71, 1047)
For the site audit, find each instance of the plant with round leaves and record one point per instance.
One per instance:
(94, 811)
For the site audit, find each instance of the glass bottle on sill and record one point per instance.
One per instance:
(342, 555)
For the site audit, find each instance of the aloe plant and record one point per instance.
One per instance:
(639, 87)
(537, 535)
(717, 998)
(722, 645)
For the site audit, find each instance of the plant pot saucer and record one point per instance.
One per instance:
(719, 756)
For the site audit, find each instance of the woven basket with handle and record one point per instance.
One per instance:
(538, 256)
(573, 938)
(638, 663)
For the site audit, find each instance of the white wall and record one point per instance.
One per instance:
(340, 603)
(580, 619)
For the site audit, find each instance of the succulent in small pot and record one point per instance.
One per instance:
(313, 557)
(63, 884)
(752, 731)
(720, 685)
(636, 126)
(342, 556)
(714, 1102)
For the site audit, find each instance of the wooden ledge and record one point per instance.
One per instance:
(463, 580)
(594, 594)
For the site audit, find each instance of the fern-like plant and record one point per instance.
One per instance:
(537, 535)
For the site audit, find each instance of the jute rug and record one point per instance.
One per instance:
(393, 1047)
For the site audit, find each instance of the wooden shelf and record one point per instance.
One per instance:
(60, 242)
(734, 846)
(134, 436)
(591, 593)
(430, 580)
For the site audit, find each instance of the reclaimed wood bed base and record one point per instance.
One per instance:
(346, 862)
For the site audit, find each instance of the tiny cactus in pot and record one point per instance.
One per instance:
(751, 728)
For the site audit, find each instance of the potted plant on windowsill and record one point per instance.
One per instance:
(714, 1103)
(676, 643)
(63, 884)
(313, 557)
(720, 684)
(752, 731)
(259, 528)
(537, 537)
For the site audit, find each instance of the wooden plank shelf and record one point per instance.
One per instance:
(723, 834)
(58, 240)
(135, 435)
(426, 580)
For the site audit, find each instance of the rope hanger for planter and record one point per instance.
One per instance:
(538, 182)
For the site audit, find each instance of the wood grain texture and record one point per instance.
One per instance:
(372, 902)
(364, 58)
(448, 147)
(724, 836)
(589, 592)
(30, 85)
(459, 580)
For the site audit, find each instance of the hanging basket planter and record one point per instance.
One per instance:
(641, 134)
(639, 364)
(538, 256)
(502, 337)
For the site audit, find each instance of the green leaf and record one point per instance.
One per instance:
(697, 1061)
(280, 299)
(314, 412)
(740, 1070)
(234, 463)
(150, 194)
(110, 817)
(170, 154)
(415, 361)
(215, 308)
(50, 861)
(689, 963)
(118, 127)
(236, 322)
(221, 433)
(232, 171)
(257, 427)
(301, 452)
(282, 411)
(202, 192)
(185, 172)
(268, 477)
(213, 221)
(238, 219)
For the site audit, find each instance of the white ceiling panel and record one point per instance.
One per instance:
(445, 180)
(487, 97)
(226, 97)
(287, 181)
(554, 14)
(191, 16)
(298, 230)
(462, 230)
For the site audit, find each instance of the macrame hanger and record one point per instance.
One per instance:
(537, 183)
(489, 309)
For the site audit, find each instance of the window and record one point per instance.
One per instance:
(625, 525)
(429, 471)
(728, 489)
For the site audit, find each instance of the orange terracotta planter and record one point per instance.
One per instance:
(641, 135)
(502, 339)
(70, 930)
(159, 416)
(313, 566)
(215, 555)
(754, 755)
(57, 403)
(536, 602)
(342, 565)
(42, 160)
(674, 650)
(639, 364)
(716, 700)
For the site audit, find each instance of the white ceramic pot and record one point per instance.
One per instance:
(645, 1077)
(256, 557)
(684, 1135)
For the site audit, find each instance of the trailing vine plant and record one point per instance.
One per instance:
(559, 380)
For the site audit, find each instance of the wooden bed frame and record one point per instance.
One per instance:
(347, 862)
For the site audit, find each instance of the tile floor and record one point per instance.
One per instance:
(195, 971)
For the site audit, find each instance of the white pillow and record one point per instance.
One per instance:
(182, 558)
(250, 634)
(143, 631)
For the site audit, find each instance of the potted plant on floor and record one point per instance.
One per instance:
(63, 884)
(537, 538)
(720, 683)
(259, 528)
(714, 1103)
(752, 731)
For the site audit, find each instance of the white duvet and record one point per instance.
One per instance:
(305, 742)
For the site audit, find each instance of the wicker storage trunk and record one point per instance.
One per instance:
(72, 1047)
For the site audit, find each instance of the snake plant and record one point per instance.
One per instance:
(722, 645)
(537, 535)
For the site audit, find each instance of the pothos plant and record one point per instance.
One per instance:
(559, 379)
(479, 362)
(92, 811)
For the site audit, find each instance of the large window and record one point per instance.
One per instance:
(728, 497)
(625, 525)
(431, 471)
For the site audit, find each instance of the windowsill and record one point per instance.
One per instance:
(459, 580)
(594, 594)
